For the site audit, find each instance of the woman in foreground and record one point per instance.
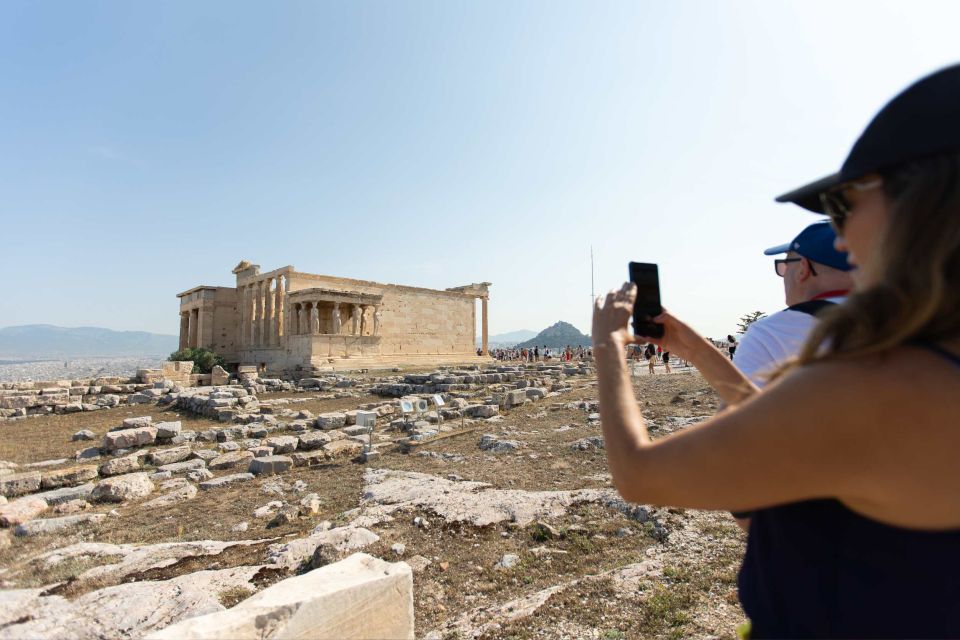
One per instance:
(847, 464)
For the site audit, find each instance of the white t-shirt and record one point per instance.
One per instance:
(771, 341)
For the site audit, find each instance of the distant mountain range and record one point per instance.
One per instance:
(558, 336)
(508, 339)
(49, 341)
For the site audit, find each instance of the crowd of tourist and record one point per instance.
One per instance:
(541, 354)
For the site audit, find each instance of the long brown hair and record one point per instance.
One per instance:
(917, 295)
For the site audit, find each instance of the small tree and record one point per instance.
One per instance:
(203, 359)
(749, 319)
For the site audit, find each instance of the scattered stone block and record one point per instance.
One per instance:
(85, 434)
(482, 410)
(491, 443)
(223, 481)
(54, 525)
(230, 460)
(90, 453)
(310, 504)
(588, 443)
(133, 423)
(310, 459)
(269, 465)
(177, 495)
(121, 488)
(185, 466)
(127, 438)
(166, 430)
(343, 449)
(331, 420)
(118, 466)
(69, 477)
(312, 440)
(71, 506)
(22, 510)
(205, 454)
(67, 494)
(17, 484)
(161, 457)
(283, 444)
(359, 597)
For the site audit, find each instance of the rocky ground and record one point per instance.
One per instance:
(510, 524)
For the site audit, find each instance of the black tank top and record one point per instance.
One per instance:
(816, 569)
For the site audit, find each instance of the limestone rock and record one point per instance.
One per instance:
(22, 510)
(161, 457)
(54, 525)
(331, 420)
(125, 487)
(199, 475)
(185, 466)
(66, 494)
(85, 434)
(359, 597)
(69, 477)
(336, 542)
(270, 465)
(482, 410)
(133, 423)
(118, 466)
(179, 494)
(588, 443)
(71, 507)
(310, 459)
(282, 444)
(17, 484)
(223, 481)
(230, 460)
(166, 430)
(343, 449)
(490, 442)
(127, 438)
(313, 440)
(310, 504)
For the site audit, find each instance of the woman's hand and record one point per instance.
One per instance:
(611, 319)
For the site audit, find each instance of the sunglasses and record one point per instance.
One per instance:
(780, 265)
(837, 206)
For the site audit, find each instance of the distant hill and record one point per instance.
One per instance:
(508, 339)
(45, 340)
(558, 336)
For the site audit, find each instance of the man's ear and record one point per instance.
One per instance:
(806, 270)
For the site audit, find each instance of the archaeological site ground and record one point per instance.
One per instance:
(263, 508)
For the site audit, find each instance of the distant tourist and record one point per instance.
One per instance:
(847, 461)
(731, 345)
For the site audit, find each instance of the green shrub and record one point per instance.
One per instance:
(204, 360)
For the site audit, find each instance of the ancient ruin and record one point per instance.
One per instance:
(285, 321)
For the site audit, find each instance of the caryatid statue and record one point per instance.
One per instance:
(336, 318)
(376, 320)
(355, 319)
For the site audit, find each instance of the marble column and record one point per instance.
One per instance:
(258, 314)
(251, 306)
(184, 329)
(278, 312)
(194, 321)
(268, 322)
(483, 324)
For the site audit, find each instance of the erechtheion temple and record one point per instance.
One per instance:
(285, 321)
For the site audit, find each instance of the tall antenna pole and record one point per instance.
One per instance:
(592, 297)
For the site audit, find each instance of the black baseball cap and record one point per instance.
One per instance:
(924, 119)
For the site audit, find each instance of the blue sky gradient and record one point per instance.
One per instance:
(146, 148)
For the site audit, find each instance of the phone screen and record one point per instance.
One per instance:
(646, 276)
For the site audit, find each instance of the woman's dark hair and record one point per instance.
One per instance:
(916, 297)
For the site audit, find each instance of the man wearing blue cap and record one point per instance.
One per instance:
(815, 276)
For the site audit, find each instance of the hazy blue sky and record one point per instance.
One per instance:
(146, 148)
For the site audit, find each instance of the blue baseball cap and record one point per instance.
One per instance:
(815, 243)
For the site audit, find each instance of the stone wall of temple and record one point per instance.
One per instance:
(285, 320)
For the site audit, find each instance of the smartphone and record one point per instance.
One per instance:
(647, 305)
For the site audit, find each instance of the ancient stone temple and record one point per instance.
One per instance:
(286, 321)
